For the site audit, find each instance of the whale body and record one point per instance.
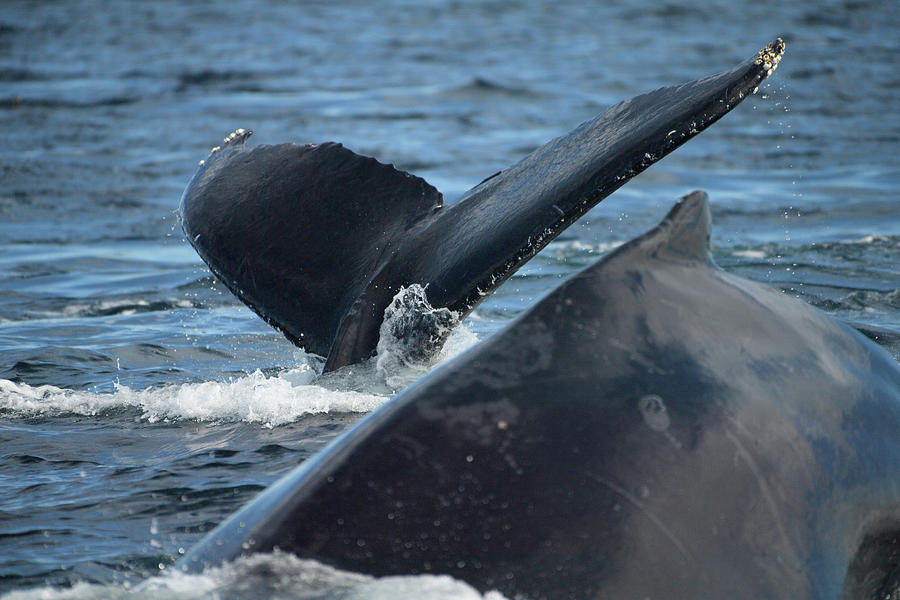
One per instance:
(655, 427)
(318, 240)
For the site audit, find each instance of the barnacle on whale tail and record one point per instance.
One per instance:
(235, 138)
(770, 56)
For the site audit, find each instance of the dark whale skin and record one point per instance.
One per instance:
(655, 427)
(317, 240)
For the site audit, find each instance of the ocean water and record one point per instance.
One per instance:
(141, 403)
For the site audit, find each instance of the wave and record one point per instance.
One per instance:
(268, 399)
(563, 250)
(14, 75)
(877, 240)
(276, 575)
(887, 301)
(208, 76)
(254, 398)
(109, 308)
(480, 86)
(11, 102)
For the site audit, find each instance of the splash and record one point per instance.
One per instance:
(277, 575)
(254, 398)
(414, 337)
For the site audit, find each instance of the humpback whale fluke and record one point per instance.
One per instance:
(317, 240)
(654, 426)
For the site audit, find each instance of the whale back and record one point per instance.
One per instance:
(654, 424)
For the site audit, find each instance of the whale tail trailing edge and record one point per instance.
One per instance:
(318, 240)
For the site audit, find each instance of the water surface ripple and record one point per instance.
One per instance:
(140, 403)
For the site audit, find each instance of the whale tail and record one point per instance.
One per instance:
(318, 240)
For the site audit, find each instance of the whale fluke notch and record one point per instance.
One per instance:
(317, 240)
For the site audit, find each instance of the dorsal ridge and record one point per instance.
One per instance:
(684, 233)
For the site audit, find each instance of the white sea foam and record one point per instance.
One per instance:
(758, 254)
(269, 400)
(253, 398)
(274, 576)
(460, 340)
(872, 238)
(126, 305)
(561, 249)
(398, 377)
(123, 306)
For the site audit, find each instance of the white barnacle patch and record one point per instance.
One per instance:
(236, 137)
(770, 56)
(234, 134)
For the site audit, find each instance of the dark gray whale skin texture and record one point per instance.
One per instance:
(317, 240)
(655, 427)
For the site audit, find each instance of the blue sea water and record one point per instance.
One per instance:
(141, 403)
